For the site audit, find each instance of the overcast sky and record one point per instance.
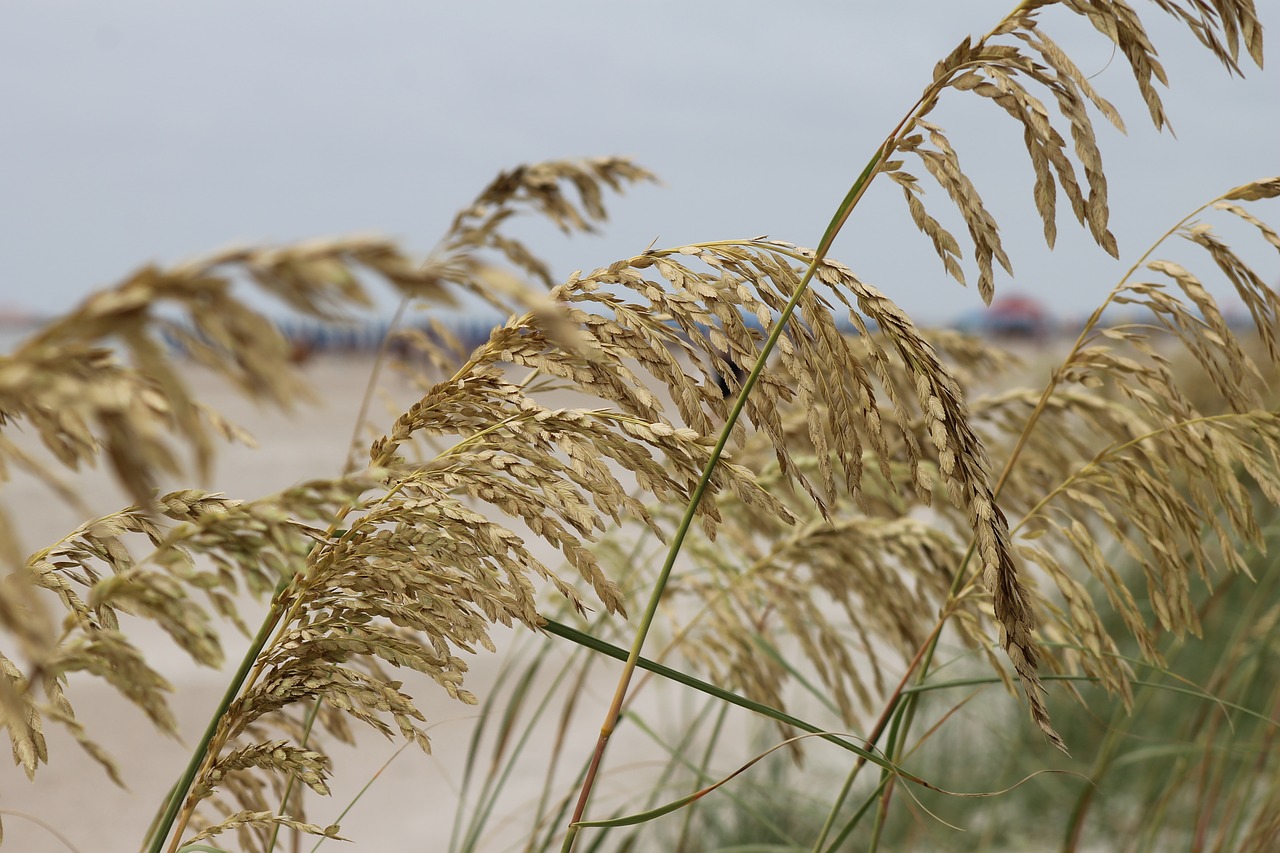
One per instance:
(151, 130)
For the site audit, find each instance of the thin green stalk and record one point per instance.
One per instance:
(510, 664)
(1104, 759)
(703, 777)
(834, 811)
(362, 791)
(874, 738)
(523, 676)
(886, 784)
(795, 674)
(852, 823)
(1112, 451)
(838, 843)
(611, 718)
(891, 713)
(43, 825)
(495, 782)
(1081, 339)
(903, 718)
(198, 755)
(1227, 671)
(1233, 827)
(557, 752)
(160, 810)
(552, 824)
(205, 751)
(616, 652)
(566, 715)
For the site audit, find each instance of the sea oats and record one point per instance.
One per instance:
(1118, 452)
(261, 819)
(942, 162)
(310, 767)
(817, 543)
(878, 574)
(944, 244)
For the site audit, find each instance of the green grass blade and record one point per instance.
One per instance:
(618, 653)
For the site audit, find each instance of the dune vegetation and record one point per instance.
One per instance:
(773, 492)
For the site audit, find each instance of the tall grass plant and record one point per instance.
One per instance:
(804, 525)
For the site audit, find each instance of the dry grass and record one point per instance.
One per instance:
(816, 542)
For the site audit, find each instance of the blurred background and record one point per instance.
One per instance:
(141, 131)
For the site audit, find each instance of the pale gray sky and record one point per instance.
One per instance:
(149, 130)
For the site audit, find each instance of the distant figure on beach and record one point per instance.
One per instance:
(1011, 317)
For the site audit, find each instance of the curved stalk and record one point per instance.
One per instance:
(597, 645)
(1084, 337)
(836, 224)
(611, 717)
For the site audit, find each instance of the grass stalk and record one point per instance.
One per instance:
(363, 790)
(677, 541)
(618, 653)
(834, 226)
(204, 748)
(701, 769)
(370, 387)
(877, 731)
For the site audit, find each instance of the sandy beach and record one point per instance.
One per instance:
(411, 805)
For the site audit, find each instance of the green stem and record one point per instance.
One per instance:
(701, 769)
(852, 823)
(891, 714)
(202, 752)
(834, 811)
(618, 653)
(495, 781)
(677, 542)
(896, 734)
(363, 790)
